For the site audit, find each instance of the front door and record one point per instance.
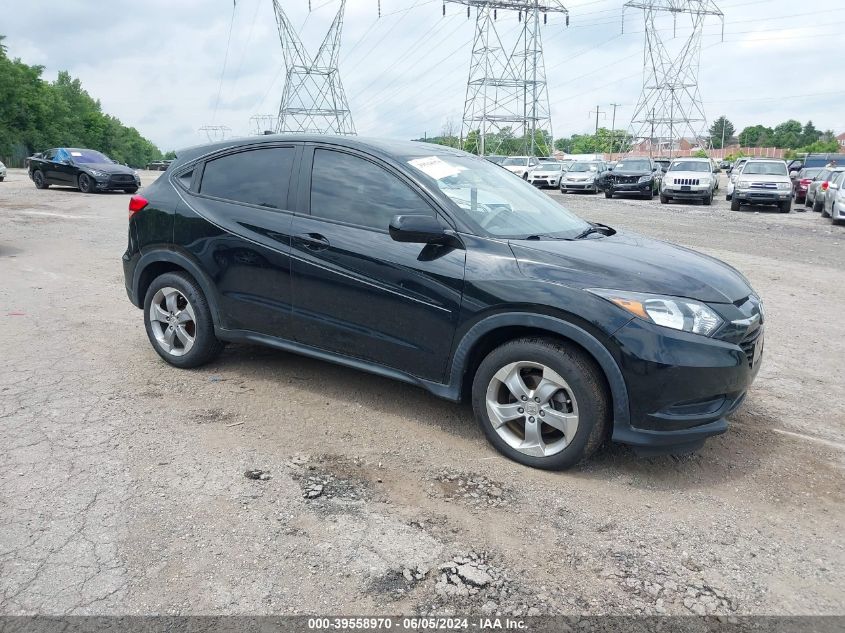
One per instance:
(356, 291)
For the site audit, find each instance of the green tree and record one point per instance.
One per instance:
(721, 129)
(788, 134)
(755, 136)
(36, 115)
(810, 134)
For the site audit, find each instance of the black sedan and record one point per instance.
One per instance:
(85, 169)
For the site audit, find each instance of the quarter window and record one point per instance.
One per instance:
(349, 189)
(258, 176)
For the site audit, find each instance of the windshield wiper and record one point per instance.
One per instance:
(595, 227)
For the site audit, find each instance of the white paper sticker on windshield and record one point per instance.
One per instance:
(76, 153)
(435, 167)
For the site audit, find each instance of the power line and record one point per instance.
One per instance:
(225, 60)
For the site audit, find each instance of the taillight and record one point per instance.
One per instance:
(824, 185)
(136, 203)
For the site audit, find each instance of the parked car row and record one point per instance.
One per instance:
(2, 171)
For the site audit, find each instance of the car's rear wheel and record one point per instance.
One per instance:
(85, 184)
(825, 214)
(734, 204)
(39, 180)
(541, 402)
(178, 321)
(807, 202)
(817, 207)
(608, 194)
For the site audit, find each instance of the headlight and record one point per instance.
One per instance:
(644, 178)
(98, 174)
(743, 184)
(784, 186)
(704, 181)
(676, 313)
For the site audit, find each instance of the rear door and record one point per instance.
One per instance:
(356, 291)
(237, 221)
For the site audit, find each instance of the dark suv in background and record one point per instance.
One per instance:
(428, 265)
(633, 175)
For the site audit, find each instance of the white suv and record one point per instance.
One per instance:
(689, 179)
(763, 181)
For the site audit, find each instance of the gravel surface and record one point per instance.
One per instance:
(271, 483)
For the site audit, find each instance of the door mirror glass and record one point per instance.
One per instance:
(418, 229)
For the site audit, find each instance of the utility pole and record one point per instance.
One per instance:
(613, 129)
(722, 147)
(598, 112)
(507, 94)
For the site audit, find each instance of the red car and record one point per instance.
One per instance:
(802, 181)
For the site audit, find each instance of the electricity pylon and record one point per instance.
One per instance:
(313, 99)
(215, 133)
(507, 96)
(670, 107)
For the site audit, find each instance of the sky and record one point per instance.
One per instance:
(169, 68)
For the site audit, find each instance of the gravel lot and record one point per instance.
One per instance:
(123, 486)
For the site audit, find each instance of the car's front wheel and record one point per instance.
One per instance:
(785, 206)
(608, 193)
(735, 204)
(708, 200)
(85, 184)
(39, 180)
(541, 402)
(178, 321)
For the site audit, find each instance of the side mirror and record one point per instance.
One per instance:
(610, 168)
(67, 161)
(420, 229)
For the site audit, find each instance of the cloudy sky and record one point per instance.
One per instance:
(158, 65)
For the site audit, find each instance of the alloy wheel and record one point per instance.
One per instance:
(173, 321)
(532, 408)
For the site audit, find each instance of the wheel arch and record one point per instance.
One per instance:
(154, 263)
(497, 329)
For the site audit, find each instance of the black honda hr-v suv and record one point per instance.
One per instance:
(435, 267)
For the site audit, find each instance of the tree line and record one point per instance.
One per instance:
(36, 114)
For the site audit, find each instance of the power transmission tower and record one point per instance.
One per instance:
(507, 97)
(670, 107)
(313, 99)
(215, 132)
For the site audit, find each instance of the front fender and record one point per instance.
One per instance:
(576, 334)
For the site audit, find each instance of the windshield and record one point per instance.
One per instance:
(550, 167)
(576, 167)
(769, 168)
(689, 165)
(810, 173)
(494, 201)
(516, 160)
(632, 165)
(88, 156)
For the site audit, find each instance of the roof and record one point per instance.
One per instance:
(385, 147)
(841, 137)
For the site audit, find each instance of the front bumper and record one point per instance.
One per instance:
(681, 386)
(630, 187)
(578, 185)
(691, 192)
(543, 182)
(117, 182)
(752, 196)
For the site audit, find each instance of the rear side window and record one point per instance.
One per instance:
(350, 189)
(257, 176)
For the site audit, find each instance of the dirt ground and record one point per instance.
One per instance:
(123, 487)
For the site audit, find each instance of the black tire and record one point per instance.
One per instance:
(585, 380)
(707, 201)
(86, 184)
(728, 197)
(807, 202)
(131, 190)
(825, 214)
(39, 180)
(2, 178)
(206, 345)
(735, 204)
(817, 207)
(608, 193)
(664, 199)
(785, 206)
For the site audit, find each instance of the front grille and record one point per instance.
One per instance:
(748, 343)
(626, 179)
(763, 185)
(122, 179)
(686, 181)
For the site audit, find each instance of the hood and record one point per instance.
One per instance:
(688, 174)
(109, 168)
(546, 172)
(631, 172)
(764, 178)
(627, 261)
(581, 175)
(515, 168)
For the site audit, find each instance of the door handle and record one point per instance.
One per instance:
(313, 241)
